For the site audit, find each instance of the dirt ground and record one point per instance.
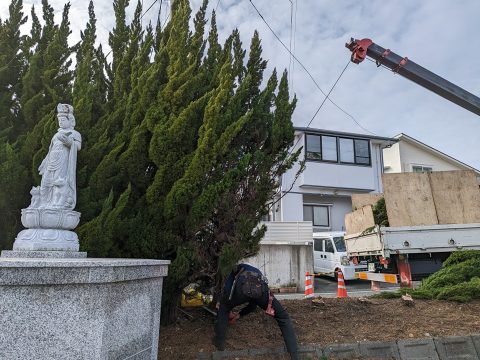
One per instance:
(325, 322)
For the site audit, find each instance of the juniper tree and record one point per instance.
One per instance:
(183, 146)
(46, 81)
(12, 68)
(12, 60)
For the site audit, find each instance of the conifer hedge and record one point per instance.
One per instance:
(183, 141)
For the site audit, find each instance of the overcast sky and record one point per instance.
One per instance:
(440, 35)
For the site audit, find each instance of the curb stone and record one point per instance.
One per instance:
(307, 350)
(267, 351)
(456, 347)
(380, 349)
(476, 343)
(447, 348)
(417, 349)
(342, 351)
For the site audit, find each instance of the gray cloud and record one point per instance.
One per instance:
(440, 35)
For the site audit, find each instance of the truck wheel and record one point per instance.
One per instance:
(336, 274)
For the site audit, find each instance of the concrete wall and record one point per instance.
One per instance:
(284, 264)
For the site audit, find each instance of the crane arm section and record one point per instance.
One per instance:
(414, 72)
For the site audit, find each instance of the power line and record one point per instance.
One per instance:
(210, 24)
(154, 2)
(304, 68)
(159, 21)
(326, 96)
(298, 140)
(216, 7)
(294, 37)
(290, 45)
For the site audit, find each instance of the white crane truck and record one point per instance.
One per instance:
(410, 251)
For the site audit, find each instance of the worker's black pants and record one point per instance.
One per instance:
(281, 316)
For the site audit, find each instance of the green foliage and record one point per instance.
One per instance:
(380, 213)
(457, 280)
(182, 147)
(35, 75)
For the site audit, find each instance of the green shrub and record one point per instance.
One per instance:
(457, 280)
(461, 256)
(380, 213)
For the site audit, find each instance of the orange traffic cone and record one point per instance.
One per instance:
(308, 285)
(341, 290)
(375, 286)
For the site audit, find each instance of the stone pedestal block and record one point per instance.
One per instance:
(43, 254)
(59, 308)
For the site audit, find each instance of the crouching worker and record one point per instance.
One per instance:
(246, 284)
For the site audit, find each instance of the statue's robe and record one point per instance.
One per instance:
(58, 170)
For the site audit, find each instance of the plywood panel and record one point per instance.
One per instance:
(456, 196)
(359, 220)
(409, 200)
(361, 200)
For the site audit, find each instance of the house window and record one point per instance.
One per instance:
(338, 149)
(347, 155)
(313, 147)
(317, 214)
(329, 148)
(421, 169)
(362, 152)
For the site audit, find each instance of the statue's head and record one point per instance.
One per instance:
(66, 120)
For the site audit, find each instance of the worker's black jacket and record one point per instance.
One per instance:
(239, 294)
(248, 281)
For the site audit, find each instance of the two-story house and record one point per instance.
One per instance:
(411, 155)
(338, 164)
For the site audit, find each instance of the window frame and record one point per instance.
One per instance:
(306, 148)
(369, 152)
(337, 140)
(430, 167)
(329, 241)
(317, 242)
(321, 148)
(329, 220)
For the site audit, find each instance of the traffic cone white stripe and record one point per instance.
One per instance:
(308, 285)
(342, 289)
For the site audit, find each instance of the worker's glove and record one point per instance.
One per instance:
(233, 317)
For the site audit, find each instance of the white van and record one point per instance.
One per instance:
(330, 255)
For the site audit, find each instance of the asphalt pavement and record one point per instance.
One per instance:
(327, 287)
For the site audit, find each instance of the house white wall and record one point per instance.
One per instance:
(335, 175)
(330, 184)
(403, 155)
(391, 159)
(291, 207)
(321, 184)
(339, 206)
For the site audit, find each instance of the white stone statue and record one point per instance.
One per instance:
(50, 217)
(58, 186)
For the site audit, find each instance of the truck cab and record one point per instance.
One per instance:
(330, 255)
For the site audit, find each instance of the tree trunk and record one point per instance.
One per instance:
(170, 303)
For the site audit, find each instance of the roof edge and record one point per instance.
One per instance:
(403, 136)
(341, 133)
